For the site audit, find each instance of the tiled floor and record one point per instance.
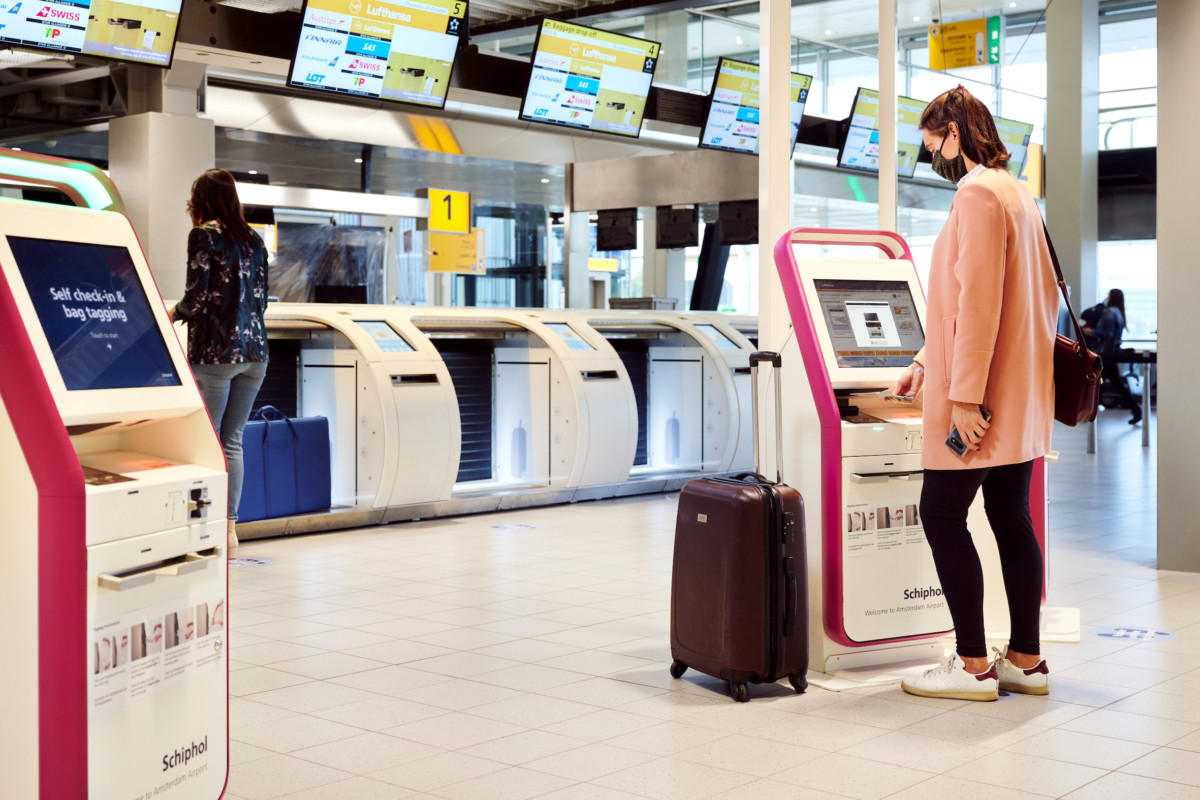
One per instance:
(465, 660)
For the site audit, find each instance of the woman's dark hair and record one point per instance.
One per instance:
(977, 134)
(215, 199)
(1116, 299)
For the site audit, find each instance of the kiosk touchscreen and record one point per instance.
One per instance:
(116, 490)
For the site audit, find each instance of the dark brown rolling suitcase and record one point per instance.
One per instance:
(739, 586)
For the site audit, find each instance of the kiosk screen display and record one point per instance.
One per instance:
(388, 49)
(385, 338)
(142, 31)
(722, 341)
(1015, 136)
(568, 335)
(860, 150)
(588, 78)
(870, 323)
(733, 105)
(94, 313)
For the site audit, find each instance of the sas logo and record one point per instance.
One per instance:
(15, 9)
(365, 66)
(55, 13)
(314, 77)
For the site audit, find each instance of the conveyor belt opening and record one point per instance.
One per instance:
(669, 366)
(501, 375)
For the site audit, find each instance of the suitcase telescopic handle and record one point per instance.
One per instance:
(776, 362)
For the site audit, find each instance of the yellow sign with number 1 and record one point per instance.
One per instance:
(449, 212)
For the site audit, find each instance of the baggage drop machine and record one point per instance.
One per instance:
(849, 328)
(114, 498)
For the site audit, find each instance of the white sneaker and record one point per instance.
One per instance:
(1022, 681)
(953, 682)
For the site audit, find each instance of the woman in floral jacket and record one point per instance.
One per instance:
(223, 304)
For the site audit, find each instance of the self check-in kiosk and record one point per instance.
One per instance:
(850, 326)
(115, 498)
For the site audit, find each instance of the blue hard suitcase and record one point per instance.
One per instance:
(286, 466)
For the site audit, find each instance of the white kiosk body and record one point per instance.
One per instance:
(849, 327)
(115, 490)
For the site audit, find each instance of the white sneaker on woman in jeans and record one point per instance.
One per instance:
(1035, 680)
(952, 681)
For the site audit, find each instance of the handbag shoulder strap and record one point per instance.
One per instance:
(1062, 286)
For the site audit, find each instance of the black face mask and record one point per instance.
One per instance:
(952, 169)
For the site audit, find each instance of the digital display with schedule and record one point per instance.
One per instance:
(870, 323)
(141, 32)
(733, 109)
(584, 77)
(399, 50)
(860, 150)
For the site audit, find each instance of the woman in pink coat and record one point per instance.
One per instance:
(992, 309)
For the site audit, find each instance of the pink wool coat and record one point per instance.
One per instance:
(991, 320)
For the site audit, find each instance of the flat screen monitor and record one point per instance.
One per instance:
(94, 313)
(138, 31)
(871, 323)
(719, 339)
(401, 50)
(385, 337)
(1016, 136)
(584, 77)
(733, 108)
(860, 148)
(573, 340)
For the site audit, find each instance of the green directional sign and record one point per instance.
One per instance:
(993, 37)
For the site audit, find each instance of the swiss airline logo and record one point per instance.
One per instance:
(57, 13)
(366, 66)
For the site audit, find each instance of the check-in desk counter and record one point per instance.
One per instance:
(393, 423)
(686, 393)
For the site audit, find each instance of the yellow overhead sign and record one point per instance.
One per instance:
(449, 212)
(457, 252)
(603, 265)
(958, 45)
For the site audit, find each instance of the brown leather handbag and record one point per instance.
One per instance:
(1076, 368)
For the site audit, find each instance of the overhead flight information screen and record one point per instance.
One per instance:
(860, 150)
(584, 77)
(399, 50)
(1015, 136)
(733, 108)
(870, 323)
(94, 313)
(141, 32)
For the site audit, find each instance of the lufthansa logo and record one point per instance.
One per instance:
(574, 50)
(355, 6)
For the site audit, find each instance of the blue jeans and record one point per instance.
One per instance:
(229, 391)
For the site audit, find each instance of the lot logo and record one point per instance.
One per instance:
(314, 77)
(54, 13)
(541, 112)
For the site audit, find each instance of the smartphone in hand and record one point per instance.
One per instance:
(955, 442)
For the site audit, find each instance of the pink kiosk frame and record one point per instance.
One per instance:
(830, 528)
(61, 502)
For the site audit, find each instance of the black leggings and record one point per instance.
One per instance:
(945, 497)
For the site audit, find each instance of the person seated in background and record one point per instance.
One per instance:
(1107, 334)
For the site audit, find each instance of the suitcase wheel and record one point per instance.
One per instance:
(739, 692)
(799, 682)
(678, 668)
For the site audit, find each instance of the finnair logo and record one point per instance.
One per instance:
(312, 37)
